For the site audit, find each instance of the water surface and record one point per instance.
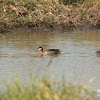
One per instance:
(76, 61)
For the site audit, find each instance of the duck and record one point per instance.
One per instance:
(48, 51)
(97, 53)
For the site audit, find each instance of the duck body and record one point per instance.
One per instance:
(51, 51)
(97, 53)
(48, 51)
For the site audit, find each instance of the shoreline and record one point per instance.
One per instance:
(49, 14)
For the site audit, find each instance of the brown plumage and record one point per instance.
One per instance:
(48, 51)
(97, 53)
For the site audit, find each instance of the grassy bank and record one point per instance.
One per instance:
(46, 90)
(60, 14)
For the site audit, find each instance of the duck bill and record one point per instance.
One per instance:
(37, 50)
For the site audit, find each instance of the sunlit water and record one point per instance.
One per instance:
(76, 62)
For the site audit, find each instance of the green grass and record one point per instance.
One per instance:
(46, 90)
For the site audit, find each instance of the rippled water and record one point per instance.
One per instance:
(76, 61)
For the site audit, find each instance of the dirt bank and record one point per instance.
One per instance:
(49, 14)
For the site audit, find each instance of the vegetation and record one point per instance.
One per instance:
(46, 90)
(61, 14)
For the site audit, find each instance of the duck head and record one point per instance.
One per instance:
(39, 49)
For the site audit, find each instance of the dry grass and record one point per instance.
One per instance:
(38, 13)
